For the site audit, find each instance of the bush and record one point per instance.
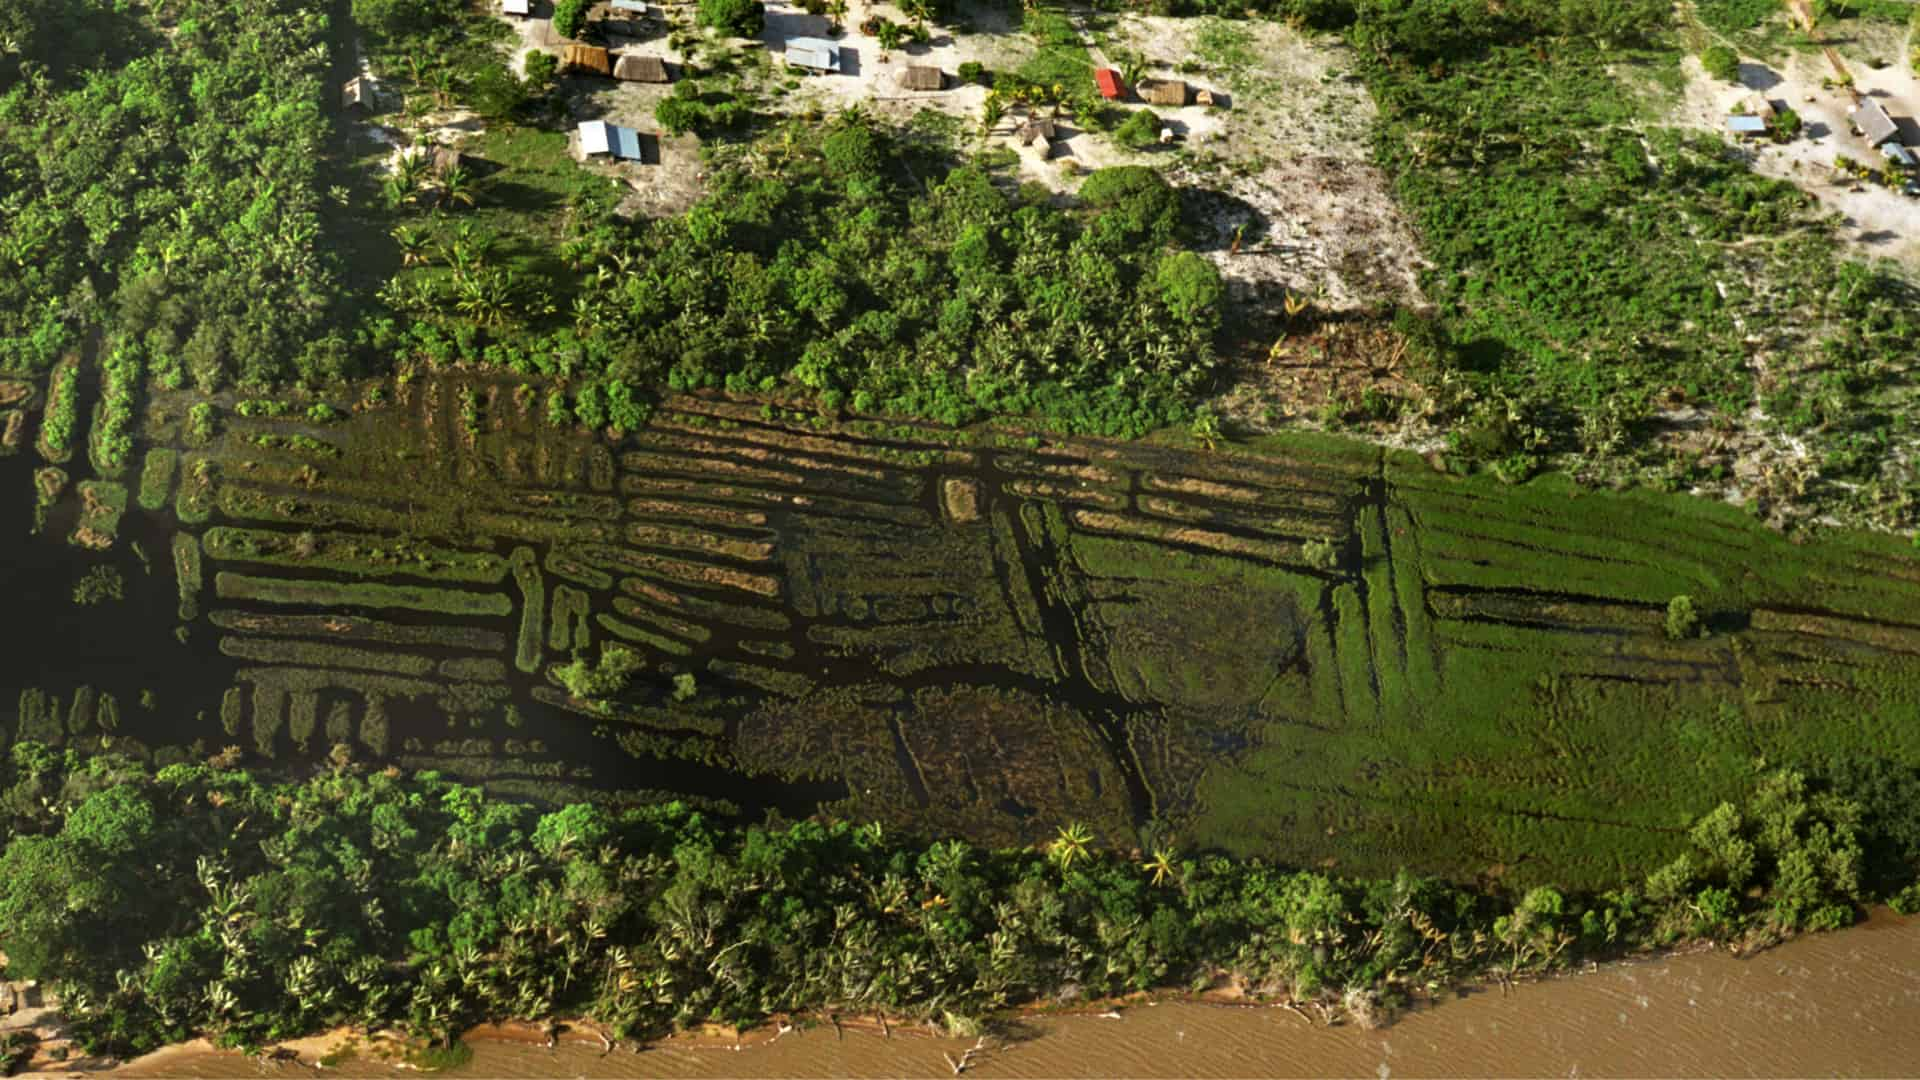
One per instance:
(1683, 621)
(570, 17)
(741, 18)
(974, 71)
(1721, 62)
(1141, 130)
(541, 67)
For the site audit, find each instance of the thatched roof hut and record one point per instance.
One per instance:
(588, 58)
(922, 77)
(635, 68)
(1171, 92)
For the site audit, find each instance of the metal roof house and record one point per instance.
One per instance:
(1900, 155)
(631, 7)
(588, 58)
(814, 54)
(515, 7)
(1171, 92)
(1747, 125)
(1038, 130)
(635, 68)
(359, 93)
(1871, 118)
(600, 137)
(922, 77)
(1110, 85)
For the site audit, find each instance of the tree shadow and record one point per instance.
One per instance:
(1210, 220)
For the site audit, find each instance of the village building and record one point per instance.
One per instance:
(813, 54)
(922, 77)
(515, 7)
(1038, 130)
(620, 143)
(635, 68)
(1166, 92)
(1746, 125)
(1205, 97)
(588, 58)
(1110, 85)
(359, 93)
(1875, 125)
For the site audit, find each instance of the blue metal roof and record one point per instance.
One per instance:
(1746, 125)
(624, 142)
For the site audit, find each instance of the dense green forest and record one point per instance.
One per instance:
(204, 899)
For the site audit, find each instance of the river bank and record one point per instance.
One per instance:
(1845, 1003)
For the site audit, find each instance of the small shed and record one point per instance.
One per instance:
(1746, 125)
(515, 7)
(599, 137)
(1038, 130)
(1110, 85)
(922, 77)
(1871, 118)
(1204, 97)
(588, 58)
(635, 68)
(359, 93)
(1169, 92)
(814, 54)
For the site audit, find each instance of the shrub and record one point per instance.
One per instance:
(1321, 554)
(1721, 62)
(541, 67)
(741, 18)
(570, 16)
(1140, 130)
(974, 71)
(1683, 621)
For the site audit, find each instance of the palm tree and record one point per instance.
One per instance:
(991, 112)
(456, 187)
(1162, 865)
(1071, 844)
(413, 245)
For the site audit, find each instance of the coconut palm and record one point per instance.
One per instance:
(412, 243)
(1072, 843)
(456, 187)
(1163, 865)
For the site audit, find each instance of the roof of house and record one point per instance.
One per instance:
(817, 53)
(635, 68)
(630, 5)
(1109, 83)
(358, 91)
(591, 57)
(1872, 119)
(1163, 91)
(514, 7)
(1897, 152)
(600, 137)
(1747, 125)
(922, 77)
(1038, 130)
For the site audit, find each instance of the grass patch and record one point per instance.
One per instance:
(231, 586)
(360, 556)
(156, 478)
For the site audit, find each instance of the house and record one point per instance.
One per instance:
(1875, 125)
(1899, 154)
(814, 54)
(635, 68)
(1110, 85)
(588, 58)
(631, 8)
(1761, 107)
(1169, 92)
(1745, 125)
(359, 93)
(922, 77)
(600, 137)
(515, 7)
(1038, 130)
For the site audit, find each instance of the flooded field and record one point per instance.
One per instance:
(1306, 650)
(1841, 1004)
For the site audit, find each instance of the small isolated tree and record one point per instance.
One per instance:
(596, 682)
(1190, 286)
(741, 18)
(1683, 620)
(1721, 62)
(570, 17)
(1321, 554)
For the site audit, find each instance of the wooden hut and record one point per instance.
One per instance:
(636, 68)
(1038, 134)
(922, 77)
(358, 93)
(1166, 92)
(588, 58)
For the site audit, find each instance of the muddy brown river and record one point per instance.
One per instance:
(1845, 1004)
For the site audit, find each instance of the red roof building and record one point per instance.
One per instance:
(1111, 87)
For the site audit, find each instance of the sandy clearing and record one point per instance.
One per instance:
(1874, 221)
